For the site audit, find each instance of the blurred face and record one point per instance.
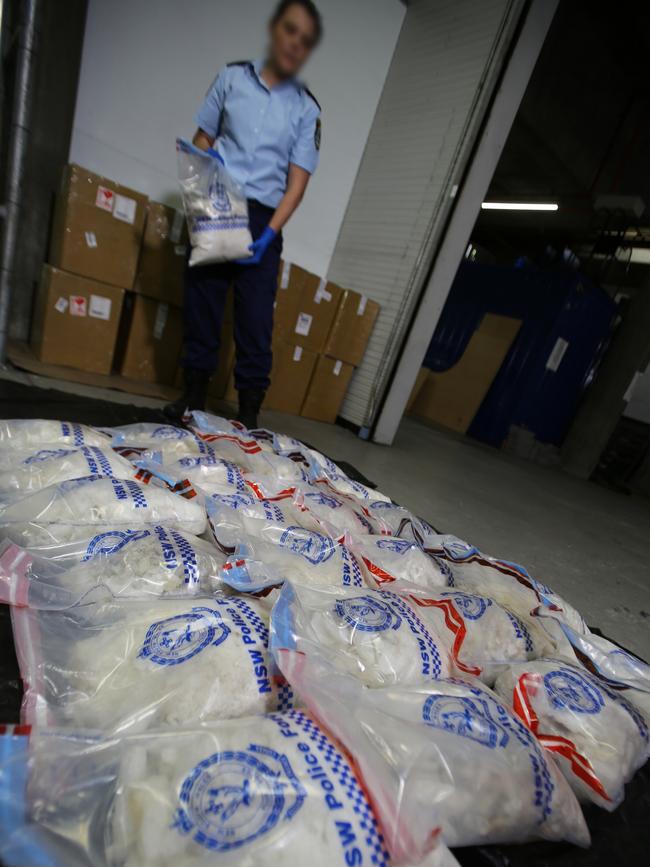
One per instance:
(292, 40)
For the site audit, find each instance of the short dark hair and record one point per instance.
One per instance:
(310, 8)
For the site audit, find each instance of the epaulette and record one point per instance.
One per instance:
(240, 63)
(309, 93)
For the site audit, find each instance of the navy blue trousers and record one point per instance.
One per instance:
(206, 287)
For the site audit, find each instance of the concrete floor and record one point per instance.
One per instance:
(591, 544)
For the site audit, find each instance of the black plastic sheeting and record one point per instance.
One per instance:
(618, 838)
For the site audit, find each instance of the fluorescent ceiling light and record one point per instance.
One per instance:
(634, 255)
(519, 206)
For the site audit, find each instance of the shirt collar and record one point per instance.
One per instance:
(258, 66)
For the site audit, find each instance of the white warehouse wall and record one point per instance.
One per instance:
(146, 67)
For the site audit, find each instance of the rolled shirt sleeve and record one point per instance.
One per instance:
(307, 145)
(208, 117)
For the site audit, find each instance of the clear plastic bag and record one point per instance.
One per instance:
(385, 559)
(168, 442)
(507, 583)
(374, 635)
(127, 664)
(64, 512)
(594, 733)
(153, 561)
(446, 755)
(394, 520)
(481, 636)
(215, 207)
(34, 469)
(267, 543)
(274, 790)
(25, 432)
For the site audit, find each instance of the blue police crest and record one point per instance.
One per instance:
(111, 542)
(46, 454)
(398, 546)
(169, 432)
(570, 690)
(471, 607)
(314, 547)
(177, 639)
(324, 500)
(232, 798)
(467, 717)
(218, 195)
(367, 614)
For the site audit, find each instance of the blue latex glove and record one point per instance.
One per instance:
(258, 248)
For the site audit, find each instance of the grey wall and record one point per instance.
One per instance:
(59, 56)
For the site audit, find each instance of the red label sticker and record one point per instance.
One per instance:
(105, 199)
(78, 305)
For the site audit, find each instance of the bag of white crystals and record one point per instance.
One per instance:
(31, 470)
(385, 559)
(446, 754)
(267, 543)
(26, 432)
(126, 664)
(594, 733)
(507, 583)
(215, 207)
(481, 636)
(152, 561)
(269, 790)
(374, 635)
(65, 512)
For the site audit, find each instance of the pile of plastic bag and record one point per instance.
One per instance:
(234, 653)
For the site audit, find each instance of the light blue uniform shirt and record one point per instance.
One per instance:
(258, 131)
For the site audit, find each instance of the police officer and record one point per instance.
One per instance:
(265, 125)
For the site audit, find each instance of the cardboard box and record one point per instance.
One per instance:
(151, 340)
(98, 227)
(291, 279)
(161, 271)
(327, 389)
(293, 367)
(318, 304)
(352, 326)
(452, 398)
(76, 321)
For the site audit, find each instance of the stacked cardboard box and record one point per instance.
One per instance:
(94, 251)
(321, 333)
(152, 329)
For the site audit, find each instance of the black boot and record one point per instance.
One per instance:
(193, 397)
(250, 403)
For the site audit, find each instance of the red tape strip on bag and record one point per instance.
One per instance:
(564, 747)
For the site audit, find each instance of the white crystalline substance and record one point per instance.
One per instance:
(608, 738)
(272, 790)
(385, 559)
(395, 520)
(481, 635)
(370, 634)
(25, 432)
(507, 583)
(337, 515)
(170, 442)
(141, 665)
(63, 513)
(31, 470)
(155, 561)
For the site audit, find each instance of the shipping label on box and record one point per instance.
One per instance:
(124, 209)
(105, 199)
(303, 324)
(176, 229)
(162, 313)
(78, 305)
(100, 307)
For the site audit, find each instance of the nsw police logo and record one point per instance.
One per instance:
(467, 717)
(571, 691)
(314, 547)
(397, 546)
(179, 638)
(324, 500)
(168, 432)
(47, 454)
(111, 542)
(471, 607)
(367, 614)
(218, 196)
(235, 797)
